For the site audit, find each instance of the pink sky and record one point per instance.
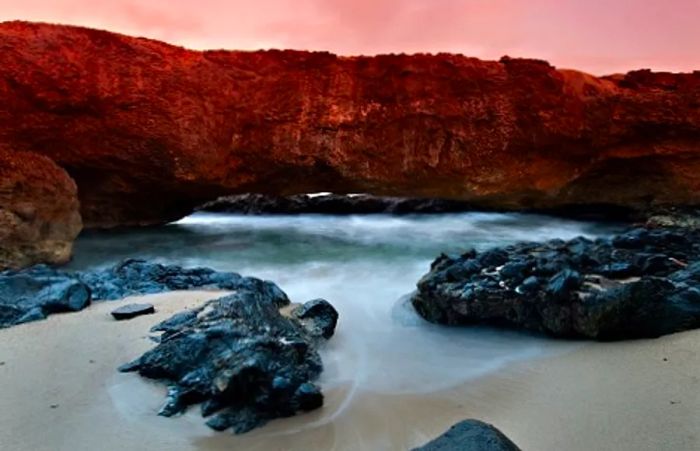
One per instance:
(600, 36)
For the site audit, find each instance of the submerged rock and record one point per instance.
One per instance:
(336, 204)
(470, 435)
(642, 283)
(239, 357)
(132, 311)
(34, 293)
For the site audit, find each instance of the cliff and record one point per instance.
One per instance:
(149, 131)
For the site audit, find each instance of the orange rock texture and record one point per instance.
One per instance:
(149, 130)
(39, 211)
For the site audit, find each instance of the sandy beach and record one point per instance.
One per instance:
(61, 392)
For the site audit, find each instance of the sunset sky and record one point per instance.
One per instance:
(599, 36)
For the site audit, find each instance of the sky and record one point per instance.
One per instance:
(598, 36)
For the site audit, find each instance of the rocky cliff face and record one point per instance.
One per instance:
(148, 130)
(39, 216)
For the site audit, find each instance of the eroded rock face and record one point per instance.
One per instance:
(643, 283)
(39, 210)
(149, 130)
(239, 357)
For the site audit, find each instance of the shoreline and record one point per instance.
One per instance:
(620, 395)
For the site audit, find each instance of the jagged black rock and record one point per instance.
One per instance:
(642, 283)
(243, 360)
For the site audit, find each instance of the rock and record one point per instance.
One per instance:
(470, 435)
(34, 293)
(561, 285)
(318, 316)
(335, 204)
(239, 357)
(132, 311)
(642, 283)
(39, 217)
(673, 216)
(137, 277)
(150, 131)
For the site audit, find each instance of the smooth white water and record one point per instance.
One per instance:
(365, 266)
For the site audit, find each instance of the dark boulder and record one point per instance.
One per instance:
(239, 357)
(470, 435)
(33, 294)
(642, 283)
(318, 316)
(132, 311)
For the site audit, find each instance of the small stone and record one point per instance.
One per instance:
(630, 240)
(563, 283)
(514, 270)
(132, 311)
(619, 270)
(493, 257)
(308, 397)
(319, 317)
(529, 285)
(659, 264)
(54, 406)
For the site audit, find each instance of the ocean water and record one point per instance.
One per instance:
(366, 266)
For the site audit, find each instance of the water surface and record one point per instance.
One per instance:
(365, 266)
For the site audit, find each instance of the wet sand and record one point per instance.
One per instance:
(61, 392)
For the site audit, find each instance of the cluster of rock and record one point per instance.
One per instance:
(238, 355)
(241, 358)
(34, 293)
(642, 283)
(335, 204)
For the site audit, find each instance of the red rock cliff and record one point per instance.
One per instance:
(149, 130)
